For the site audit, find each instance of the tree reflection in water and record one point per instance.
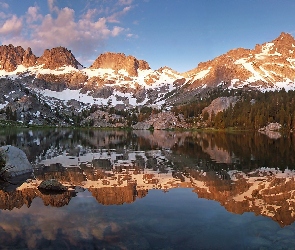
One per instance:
(244, 172)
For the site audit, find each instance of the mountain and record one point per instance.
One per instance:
(119, 61)
(58, 57)
(57, 82)
(11, 57)
(55, 87)
(269, 66)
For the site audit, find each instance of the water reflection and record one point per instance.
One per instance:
(243, 172)
(157, 179)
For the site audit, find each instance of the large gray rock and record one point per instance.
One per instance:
(162, 120)
(220, 104)
(16, 161)
(142, 125)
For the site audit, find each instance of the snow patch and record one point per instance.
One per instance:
(2, 106)
(201, 74)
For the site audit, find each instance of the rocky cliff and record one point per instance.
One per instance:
(119, 61)
(58, 57)
(57, 83)
(11, 57)
(219, 104)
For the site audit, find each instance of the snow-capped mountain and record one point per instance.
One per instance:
(270, 66)
(58, 82)
(113, 79)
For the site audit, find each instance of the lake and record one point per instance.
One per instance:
(151, 190)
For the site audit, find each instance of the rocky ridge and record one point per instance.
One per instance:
(119, 61)
(58, 57)
(261, 67)
(57, 81)
(48, 89)
(11, 57)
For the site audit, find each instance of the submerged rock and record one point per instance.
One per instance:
(52, 185)
(16, 161)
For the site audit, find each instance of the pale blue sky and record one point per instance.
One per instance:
(174, 33)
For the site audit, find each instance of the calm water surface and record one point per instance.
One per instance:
(143, 190)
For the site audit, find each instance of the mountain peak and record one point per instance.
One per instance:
(58, 57)
(11, 57)
(118, 61)
(284, 38)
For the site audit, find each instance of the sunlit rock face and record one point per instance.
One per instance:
(58, 57)
(263, 68)
(61, 87)
(11, 57)
(119, 61)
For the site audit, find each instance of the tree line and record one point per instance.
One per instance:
(253, 110)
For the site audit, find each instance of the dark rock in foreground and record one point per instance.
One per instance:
(52, 185)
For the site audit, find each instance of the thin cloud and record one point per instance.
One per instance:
(4, 5)
(115, 17)
(12, 26)
(83, 34)
(33, 15)
(51, 6)
(130, 35)
(125, 2)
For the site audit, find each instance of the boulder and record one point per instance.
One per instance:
(16, 161)
(271, 130)
(52, 185)
(273, 126)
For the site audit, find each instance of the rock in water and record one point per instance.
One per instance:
(52, 185)
(16, 161)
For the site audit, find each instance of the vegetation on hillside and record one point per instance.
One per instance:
(253, 110)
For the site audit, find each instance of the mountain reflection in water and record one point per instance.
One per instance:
(243, 172)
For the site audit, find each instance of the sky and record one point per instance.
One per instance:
(174, 33)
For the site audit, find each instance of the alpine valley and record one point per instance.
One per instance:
(247, 88)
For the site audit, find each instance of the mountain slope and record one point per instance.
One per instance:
(57, 81)
(268, 66)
